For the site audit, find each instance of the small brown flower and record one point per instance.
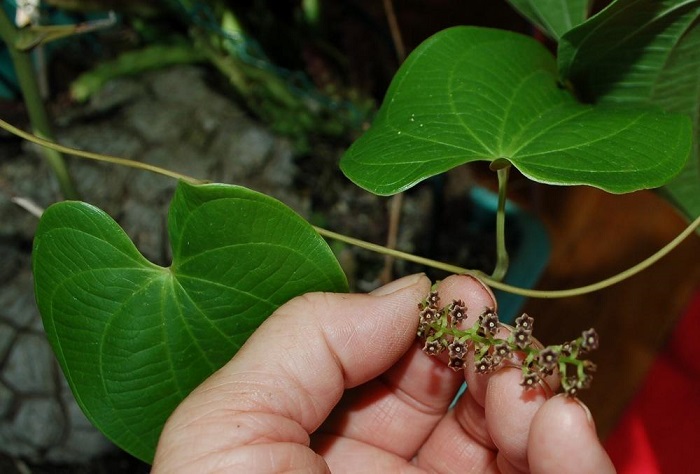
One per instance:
(570, 386)
(457, 349)
(456, 363)
(548, 359)
(530, 380)
(433, 347)
(433, 299)
(458, 311)
(567, 349)
(489, 323)
(525, 323)
(428, 315)
(521, 338)
(484, 365)
(589, 340)
(501, 350)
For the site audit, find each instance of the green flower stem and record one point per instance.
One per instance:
(502, 259)
(383, 250)
(38, 117)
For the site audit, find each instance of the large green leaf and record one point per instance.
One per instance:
(618, 55)
(553, 17)
(134, 338)
(678, 90)
(643, 52)
(470, 94)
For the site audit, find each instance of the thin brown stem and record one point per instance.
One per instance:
(395, 30)
(396, 203)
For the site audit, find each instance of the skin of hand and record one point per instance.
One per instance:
(338, 382)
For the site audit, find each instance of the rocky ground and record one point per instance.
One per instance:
(174, 119)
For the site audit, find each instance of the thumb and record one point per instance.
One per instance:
(285, 380)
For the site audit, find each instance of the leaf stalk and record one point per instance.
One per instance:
(502, 259)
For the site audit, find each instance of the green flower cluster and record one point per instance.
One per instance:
(441, 329)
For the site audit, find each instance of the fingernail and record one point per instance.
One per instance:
(398, 285)
(583, 406)
(486, 289)
(589, 416)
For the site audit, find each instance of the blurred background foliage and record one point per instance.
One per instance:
(308, 68)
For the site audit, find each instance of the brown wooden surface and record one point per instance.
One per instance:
(595, 235)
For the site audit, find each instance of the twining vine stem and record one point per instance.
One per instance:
(96, 156)
(516, 289)
(379, 248)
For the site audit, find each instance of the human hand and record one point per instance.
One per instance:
(339, 382)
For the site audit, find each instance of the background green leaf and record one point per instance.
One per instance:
(553, 17)
(678, 90)
(643, 52)
(470, 94)
(134, 338)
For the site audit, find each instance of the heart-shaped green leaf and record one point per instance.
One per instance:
(553, 17)
(134, 338)
(469, 94)
(643, 52)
